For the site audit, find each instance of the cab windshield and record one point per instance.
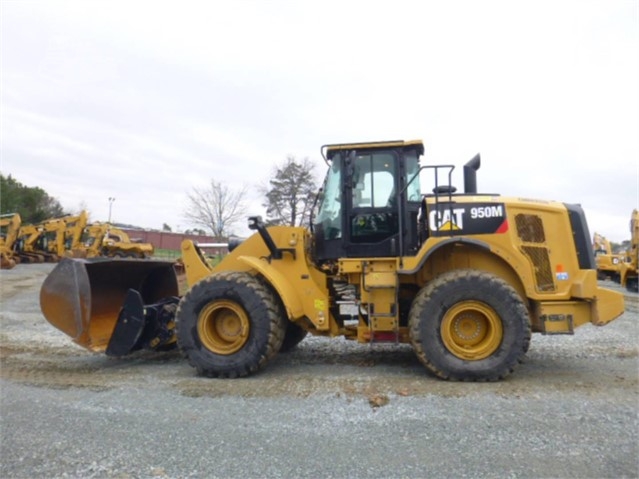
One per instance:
(330, 207)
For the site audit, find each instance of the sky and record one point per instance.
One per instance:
(142, 101)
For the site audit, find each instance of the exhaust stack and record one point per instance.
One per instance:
(470, 174)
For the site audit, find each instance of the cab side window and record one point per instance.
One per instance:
(373, 198)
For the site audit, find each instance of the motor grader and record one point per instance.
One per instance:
(464, 277)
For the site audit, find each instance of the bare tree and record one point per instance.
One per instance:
(217, 208)
(290, 195)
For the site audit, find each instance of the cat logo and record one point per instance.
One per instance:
(446, 219)
(455, 219)
(449, 226)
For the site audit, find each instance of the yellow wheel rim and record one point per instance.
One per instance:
(471, 330)
(223, 327)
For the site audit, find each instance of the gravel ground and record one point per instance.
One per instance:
(330, 408)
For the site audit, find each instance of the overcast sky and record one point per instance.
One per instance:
(142, 101)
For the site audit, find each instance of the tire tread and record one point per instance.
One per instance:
(261, 294)
(433, 290)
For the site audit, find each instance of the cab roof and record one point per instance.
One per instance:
(329, 150)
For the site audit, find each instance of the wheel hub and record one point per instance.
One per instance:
(468, 327)
(471, 330)
(223, 327)
(228, 325)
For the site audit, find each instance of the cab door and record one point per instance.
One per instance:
(372, 204)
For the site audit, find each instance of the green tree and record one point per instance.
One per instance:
(290, 194)
(217, 207)
(32, 203)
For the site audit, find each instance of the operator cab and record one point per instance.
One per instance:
(370, 194)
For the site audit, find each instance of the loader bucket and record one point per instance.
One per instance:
(83, 297)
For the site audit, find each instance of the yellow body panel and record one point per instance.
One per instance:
(606, 306)
(378, 282)
(504, 246)
(513, 255)
(301, 286)
(277, 277)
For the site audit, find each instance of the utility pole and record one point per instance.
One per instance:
(111, 200)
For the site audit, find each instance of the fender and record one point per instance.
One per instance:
(513, 269)
(288, 294)
(420, 264)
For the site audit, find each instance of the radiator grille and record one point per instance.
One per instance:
(543, 273)
(530, 228)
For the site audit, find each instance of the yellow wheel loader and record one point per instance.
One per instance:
(464, 277)
(102, 239)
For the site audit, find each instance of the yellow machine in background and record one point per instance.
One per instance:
(608, 264)
(628, 271)
(75, 226)
(465, 278)
(26, 245)
(67, 236)
(51, 240)
(102, 239)
(9, 229)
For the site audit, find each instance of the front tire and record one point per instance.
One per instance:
(469, 325)
(229, 325)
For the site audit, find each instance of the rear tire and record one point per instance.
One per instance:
(229, 325)
(469, 325)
